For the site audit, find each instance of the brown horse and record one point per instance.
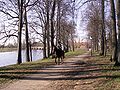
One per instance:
(58, 54)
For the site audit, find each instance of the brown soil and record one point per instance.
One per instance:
(74, 74)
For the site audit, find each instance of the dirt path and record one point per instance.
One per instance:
(74, 74)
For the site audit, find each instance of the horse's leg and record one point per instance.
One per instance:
(61, 60)
(58, 61)
(63, 56)
(55, 60)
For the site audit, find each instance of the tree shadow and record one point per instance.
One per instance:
(73, 71)
(72, 78)
(79, 70)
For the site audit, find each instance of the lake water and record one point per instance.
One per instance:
(9, 58)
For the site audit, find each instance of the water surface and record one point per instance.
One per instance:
(9, 58)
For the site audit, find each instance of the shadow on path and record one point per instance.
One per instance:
(75, 69)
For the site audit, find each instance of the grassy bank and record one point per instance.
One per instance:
(75, 53)
(7, 49)
(14, 72)
(110, 75)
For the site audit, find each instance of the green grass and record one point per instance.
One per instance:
(75, 53)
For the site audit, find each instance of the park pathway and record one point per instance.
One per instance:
(74, 74)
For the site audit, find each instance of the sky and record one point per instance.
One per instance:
(80, 28)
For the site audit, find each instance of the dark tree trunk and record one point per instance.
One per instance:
(44, 44)
(105, 45)
(26, 36)
(117, 62)
(48, 32)
(30, 51)
(102, 31)
(67, 44)
(73, 23)
(20, 5)
(72, 39)
(58, 37)
(52, 25)
(114, 34)
(64, 39)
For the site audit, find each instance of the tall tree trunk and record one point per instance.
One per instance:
(72, 41)
(48, 32)
(64, 39)
(102, 31)
(20, 5)
(105, 42)
(58, 22)
(44, 44)
(114, 34)
(26, 36)
(30, 51)
(67, 46)
(59, 34)
(72, 37)
(52, 25)
(96, 41)
(118, 23)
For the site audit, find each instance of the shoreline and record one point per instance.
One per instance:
(7, 49)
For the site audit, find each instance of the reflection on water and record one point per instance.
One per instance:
(9, 58)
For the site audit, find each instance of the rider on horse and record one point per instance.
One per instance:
(59, 45)
(58, 53)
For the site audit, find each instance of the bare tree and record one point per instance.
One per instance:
(26, 32)
(42, 21)
(52, 24)
(20, 7)
(114, 33)
(48, 25)
(117, 61)
(93, 17)
(103, 29)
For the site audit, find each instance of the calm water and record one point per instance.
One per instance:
(9, 58)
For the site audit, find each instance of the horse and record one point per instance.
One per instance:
(58, 54)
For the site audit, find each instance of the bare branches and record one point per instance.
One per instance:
(36, 31)
(7, 14)
(84, 3)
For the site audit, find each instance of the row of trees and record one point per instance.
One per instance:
(48, 21)
(103, 26)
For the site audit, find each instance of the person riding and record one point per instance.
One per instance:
(59, 45)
